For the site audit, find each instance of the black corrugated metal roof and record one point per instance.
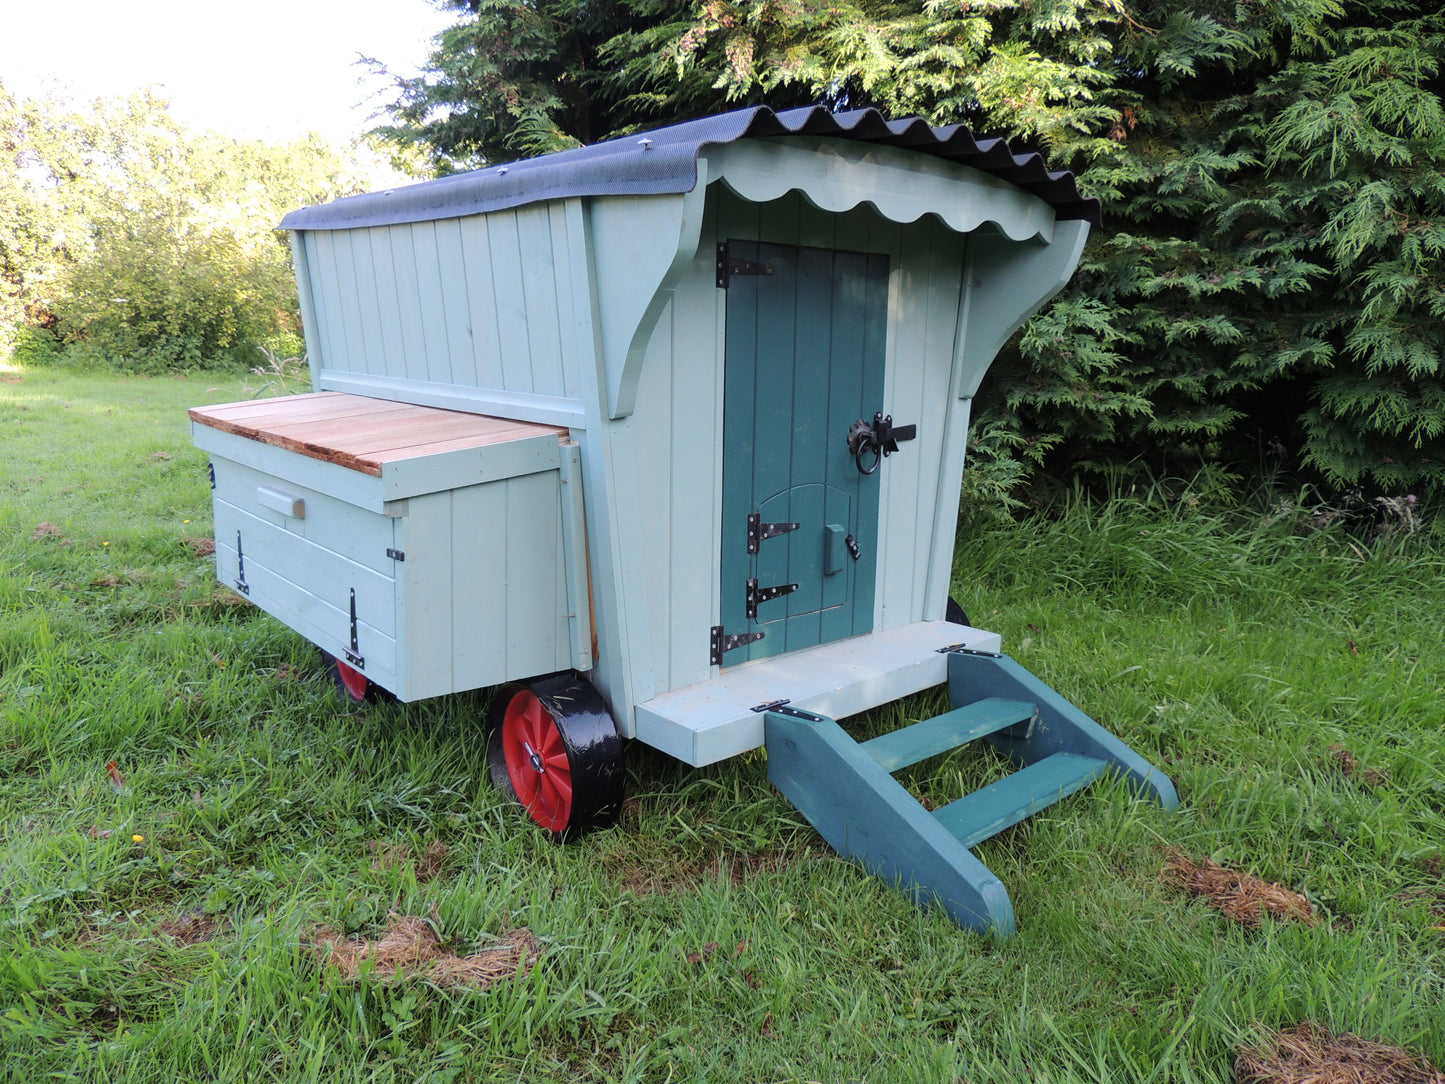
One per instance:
(665, 161)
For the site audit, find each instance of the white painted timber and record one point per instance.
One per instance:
(523, 406)
(714, 719)
(1008, 284)
(839, 175)
(453, 559)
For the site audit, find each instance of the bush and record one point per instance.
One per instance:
(144, 246)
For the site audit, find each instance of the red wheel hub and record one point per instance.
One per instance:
(537, 761)
(352, 680)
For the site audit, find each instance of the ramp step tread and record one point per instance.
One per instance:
(989, 810)
(900, 748)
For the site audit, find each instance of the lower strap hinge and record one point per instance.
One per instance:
(758, 595)
(720, 643)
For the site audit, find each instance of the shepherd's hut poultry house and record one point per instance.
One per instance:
(665, 436)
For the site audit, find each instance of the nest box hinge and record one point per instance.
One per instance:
(757, 595)
(241, 584)
(720, 643)
(728, 266)
(759, 532)
(354, 655)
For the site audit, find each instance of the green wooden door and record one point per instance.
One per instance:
(804, 360)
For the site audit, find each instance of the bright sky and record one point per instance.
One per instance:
(270, 69)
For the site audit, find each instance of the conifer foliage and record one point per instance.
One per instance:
(1269, 284)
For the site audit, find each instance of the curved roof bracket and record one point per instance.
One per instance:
(640, 247)
(1006, 284)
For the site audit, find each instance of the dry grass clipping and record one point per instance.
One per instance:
(190, 927)
(1309, 1054)
(1348, 765)
(428, 865)
(1243, 898)
(410, 949)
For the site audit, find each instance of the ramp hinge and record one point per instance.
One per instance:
(728, 266)
(719, 643)
(759, 532)
(771, 705)
(758, 595)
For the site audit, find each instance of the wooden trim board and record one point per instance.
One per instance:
(715, 719)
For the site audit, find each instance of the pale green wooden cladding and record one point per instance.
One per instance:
(603, 314)
(443, 572)
(703, 328)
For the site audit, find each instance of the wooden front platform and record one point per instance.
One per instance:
(359, 433)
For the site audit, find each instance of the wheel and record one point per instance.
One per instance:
(954, 614)
(351, 682)
(554, 747)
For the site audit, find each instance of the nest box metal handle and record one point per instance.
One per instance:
(878, 440)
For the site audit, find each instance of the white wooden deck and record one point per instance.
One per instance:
(715, 719)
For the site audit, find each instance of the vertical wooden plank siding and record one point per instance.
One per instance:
(437, 367)
(657, 453)
(425, 593)
(578, 585)
(388, 308)
(455, 303)
(408, 298)
(922, 304)
(299, 260)
(944, 280)
(534, 560)
(486, 356)
(354, 359)
(368, 286)
(507, 287)
(539, 290)
(695, 496)
(561, 289)
(323, 297)
(479, 573)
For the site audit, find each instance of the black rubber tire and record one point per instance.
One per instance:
(954, 614)
(344, 679)
(530, 727)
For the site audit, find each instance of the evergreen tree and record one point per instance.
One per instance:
(1270, 280)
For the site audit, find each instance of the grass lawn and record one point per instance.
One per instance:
(168, 921)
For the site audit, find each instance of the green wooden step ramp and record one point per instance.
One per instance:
(847, 791)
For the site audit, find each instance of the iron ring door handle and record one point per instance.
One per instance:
(862, 440)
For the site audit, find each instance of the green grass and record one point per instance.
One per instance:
(1232, 648)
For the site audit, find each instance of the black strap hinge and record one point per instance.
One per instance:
(759, 532)
(758, 595)
(354, 655)
(720, 643)
(728, 266)
(241, 584)
(395, 555)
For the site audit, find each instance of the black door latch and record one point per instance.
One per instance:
(879, 439)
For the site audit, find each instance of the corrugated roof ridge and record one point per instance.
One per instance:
(665, 161)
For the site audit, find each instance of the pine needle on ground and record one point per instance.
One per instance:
(410, 949)
(1309, 1054)
(1242, 897)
